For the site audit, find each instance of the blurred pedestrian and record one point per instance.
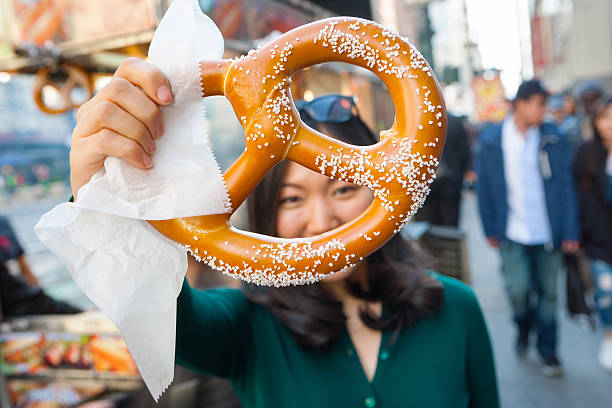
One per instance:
(589, 94)
(593, 176)
(20, 295)
(562, 109)
(10, 249)
(528, 211)
(442, 204)
(10, 178)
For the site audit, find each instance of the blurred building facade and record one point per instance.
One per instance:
(563, 42)
(456, 55)
(571, 41)
(439, 29)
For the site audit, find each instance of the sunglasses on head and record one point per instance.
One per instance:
(328, 108)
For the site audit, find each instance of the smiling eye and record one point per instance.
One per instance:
(344, 190)
(289, 200)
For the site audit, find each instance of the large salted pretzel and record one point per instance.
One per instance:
(398, 169)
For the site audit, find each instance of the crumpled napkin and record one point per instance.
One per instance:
(129, 270)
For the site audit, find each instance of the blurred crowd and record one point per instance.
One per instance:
(544, 181)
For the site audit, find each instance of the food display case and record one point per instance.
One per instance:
(63, 361)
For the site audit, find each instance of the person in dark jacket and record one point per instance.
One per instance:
(562, 112)
(20, 295)
(442, 205)
(589, 94)
(528, 211)
(593, 177)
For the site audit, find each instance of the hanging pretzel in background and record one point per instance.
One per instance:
(72, 78)
(398, 169)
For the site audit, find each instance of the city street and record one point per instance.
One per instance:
(521, 383)
(512, 96)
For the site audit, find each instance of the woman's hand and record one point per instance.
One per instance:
(122, 120)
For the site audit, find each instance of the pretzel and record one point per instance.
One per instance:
(75, 78)
(398, 169)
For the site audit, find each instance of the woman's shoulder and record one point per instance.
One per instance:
(221, 292)
(225, 291)
(229, 299)
(220, 297)
(458, 296)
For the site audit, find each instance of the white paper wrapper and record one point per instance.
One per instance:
(128, 269)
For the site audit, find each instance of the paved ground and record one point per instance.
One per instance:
(521, 384)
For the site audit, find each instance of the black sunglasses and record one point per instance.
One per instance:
(328, 108)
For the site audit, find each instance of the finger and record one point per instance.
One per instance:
(109, 115)
(135, 102)
(85, 107)
(117, 145)
(147, 77)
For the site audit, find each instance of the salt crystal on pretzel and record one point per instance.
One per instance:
(398, 169)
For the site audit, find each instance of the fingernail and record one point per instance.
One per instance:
(146, 160)
(164, 95)
(151, 147)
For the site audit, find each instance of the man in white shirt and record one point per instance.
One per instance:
(528, 210)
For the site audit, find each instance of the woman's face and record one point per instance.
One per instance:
(603, 123)
(311, 204)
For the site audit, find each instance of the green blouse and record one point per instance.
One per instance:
(444, 360)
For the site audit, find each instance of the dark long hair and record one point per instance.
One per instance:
(395, 274)
(591, 160)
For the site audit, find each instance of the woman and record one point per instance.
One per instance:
(383, 333)
(593, 176)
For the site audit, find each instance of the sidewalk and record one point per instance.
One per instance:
(520, 382)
